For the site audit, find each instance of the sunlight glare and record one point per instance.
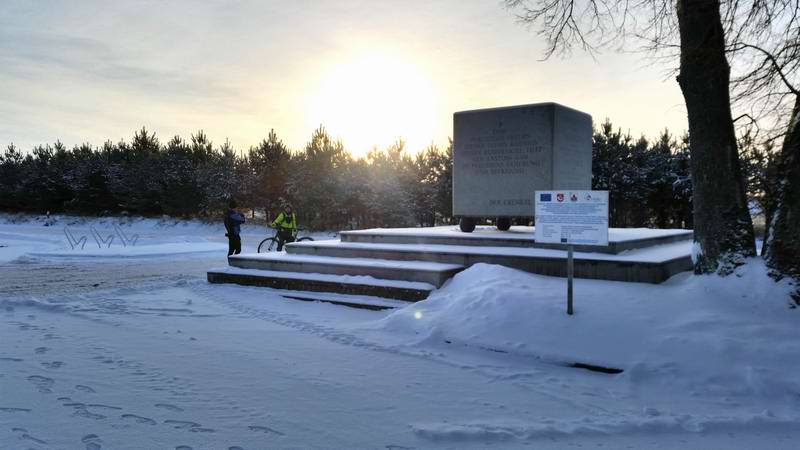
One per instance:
(373, 100)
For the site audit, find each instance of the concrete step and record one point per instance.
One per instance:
(620, 239)
(650, 265)
(433, 273)
(357, 291)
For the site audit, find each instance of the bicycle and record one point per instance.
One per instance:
(271, 243)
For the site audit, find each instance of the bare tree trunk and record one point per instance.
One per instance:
(783, 238)
(723, 229)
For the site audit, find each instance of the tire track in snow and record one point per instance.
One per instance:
(540, 384)
(42, 277)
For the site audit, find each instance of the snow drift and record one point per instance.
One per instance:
(722, 337)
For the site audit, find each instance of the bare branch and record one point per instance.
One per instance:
(768, 56)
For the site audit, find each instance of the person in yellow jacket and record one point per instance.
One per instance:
(286, 224)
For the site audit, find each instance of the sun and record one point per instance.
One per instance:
(374, 99)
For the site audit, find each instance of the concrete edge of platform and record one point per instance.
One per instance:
(614, 247)
(442, 254)
(293, 258)
(611, 270)
(297, 284)
(403, 272)
(602, 269)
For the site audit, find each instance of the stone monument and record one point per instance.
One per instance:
(502, 155)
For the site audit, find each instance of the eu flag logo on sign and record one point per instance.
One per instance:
(545, 197)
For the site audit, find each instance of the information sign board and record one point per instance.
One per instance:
(571, 217)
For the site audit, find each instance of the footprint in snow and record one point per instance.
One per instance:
(181, 424)
(52, 364)
(8, 358)
(266, 430)
(86, 414)
(190, 426)
(14, 410)
(82, 410)
(92, 442)
(28, 437)
(86, 389)
(43, 384)
(100, 406)
(139, 419)
(169, 407)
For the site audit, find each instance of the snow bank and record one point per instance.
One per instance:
(713, 336)
(148, 225)
(134, 223)
(156, 250)
(26, 234)
(647, 423)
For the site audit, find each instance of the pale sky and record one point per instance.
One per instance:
(369, 71)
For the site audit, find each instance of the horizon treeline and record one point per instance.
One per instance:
(649, 182)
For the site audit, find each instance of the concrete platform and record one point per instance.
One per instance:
(433, 273)
(652, 265)
(408, 264)
(620, 239)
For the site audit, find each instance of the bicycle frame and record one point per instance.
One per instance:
(295, 232)
(274, 238)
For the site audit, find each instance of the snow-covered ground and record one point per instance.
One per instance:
(130, 348)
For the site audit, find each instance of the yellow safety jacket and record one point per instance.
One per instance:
(285, 223)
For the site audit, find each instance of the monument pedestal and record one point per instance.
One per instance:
(407, 264)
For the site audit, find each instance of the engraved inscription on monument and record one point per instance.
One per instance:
(502, 155)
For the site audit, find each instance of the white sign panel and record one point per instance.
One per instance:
(572, 217)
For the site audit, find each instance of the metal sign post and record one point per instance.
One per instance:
(569, 279)
(569, 218)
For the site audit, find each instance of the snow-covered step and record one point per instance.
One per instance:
(649, 265)
(433, 273)
(352, 301)
(409, 291)
(358, 291)
(619, 239)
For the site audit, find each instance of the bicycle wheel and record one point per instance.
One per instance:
(267, 245)
(306, 238)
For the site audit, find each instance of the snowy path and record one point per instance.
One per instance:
(163, 360)
(104, 364)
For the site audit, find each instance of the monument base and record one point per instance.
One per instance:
(408, 263)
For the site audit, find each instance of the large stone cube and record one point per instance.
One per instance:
(502, 155)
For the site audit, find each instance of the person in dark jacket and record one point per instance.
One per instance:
(233, 222)
(286, 224)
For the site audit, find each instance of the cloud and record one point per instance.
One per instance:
(40, 56)
(97, 69)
